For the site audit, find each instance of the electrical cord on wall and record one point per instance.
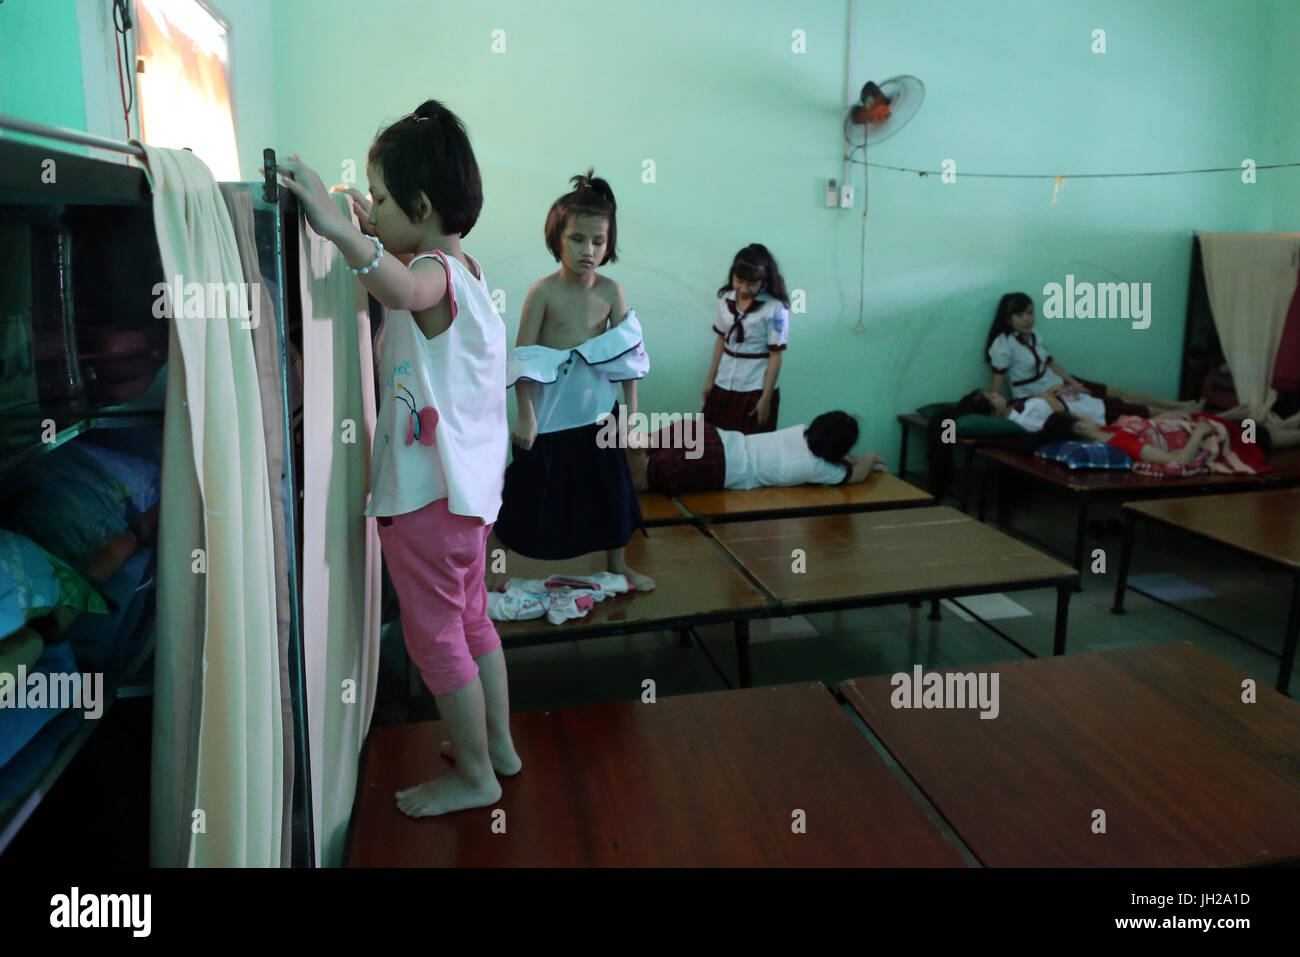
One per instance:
(121, 28)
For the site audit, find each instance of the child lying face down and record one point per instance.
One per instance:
(718, 459)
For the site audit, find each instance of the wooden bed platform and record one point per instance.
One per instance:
(1084, 487)
(705, 780)
(880, 491)
(1156, 737)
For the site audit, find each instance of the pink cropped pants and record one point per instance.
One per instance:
(436, 561)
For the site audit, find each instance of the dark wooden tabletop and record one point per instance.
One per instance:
(879, 490)
(659, 508)
(692, 578)
(1266, 524)
(867, 555)
(1157, 737)
(1285, 465)
(697, 780)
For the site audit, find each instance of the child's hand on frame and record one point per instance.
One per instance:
(305, 183)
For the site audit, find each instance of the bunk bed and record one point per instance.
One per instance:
(81, 423)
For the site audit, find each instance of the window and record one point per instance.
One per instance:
(184, 91)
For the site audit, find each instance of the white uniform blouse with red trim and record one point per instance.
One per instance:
(748, 340)
(1023, 360)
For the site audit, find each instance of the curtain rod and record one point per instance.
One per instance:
(16, 125)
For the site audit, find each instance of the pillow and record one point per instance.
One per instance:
(974, 426)
(1085, 455)
(28, 588)
(139, 481)
(34, 583)
(69, 504)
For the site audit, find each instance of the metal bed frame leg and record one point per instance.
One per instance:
(742, 653)
(683, 636)
(1125, 558)
(935, 613)
(968, 487)
(984, 491)
(1289, 640)
(1080, 538)
(902, 452)
(1004, 501)
(1063, 593)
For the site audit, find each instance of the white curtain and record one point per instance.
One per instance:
(341, 558)
(217, 788)
(1250, 279)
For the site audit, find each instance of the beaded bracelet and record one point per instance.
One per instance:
(374, 263)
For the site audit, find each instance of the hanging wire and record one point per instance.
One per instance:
(1170, 172)
(121, 28)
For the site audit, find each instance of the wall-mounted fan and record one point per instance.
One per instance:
(882, 110)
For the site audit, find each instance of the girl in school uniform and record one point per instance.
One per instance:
(567, 492)
(1017, 353)
(440, 437)
(753, 328)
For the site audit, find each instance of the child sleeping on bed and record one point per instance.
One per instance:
(1177, 444)
(798, 455)
(1031, 412)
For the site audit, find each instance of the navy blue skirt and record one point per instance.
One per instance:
(566, 496)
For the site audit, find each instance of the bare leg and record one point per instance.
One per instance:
(616, 562)
(496, 698)
(1236, 413)
(1156, 403)
(471, 783)
(638, 463)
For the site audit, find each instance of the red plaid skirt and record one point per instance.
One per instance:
(724, 409)
(670, 472)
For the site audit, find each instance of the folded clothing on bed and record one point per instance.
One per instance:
(559, 598)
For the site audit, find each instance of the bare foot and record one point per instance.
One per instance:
(446, 794)
(638, 581)
(505, 760)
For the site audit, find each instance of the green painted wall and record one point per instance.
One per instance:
(1279, 87)
(744, 133)
(40, 62)
(43, 77)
